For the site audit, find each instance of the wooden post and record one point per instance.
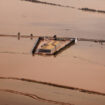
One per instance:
(31, 36)
(55, 37)
(18, 35)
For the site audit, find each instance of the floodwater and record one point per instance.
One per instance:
(45, 94)
(42, 19)
(82, 65)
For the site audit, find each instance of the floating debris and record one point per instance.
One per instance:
(91, 10)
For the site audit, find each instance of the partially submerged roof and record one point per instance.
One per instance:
(50, 45)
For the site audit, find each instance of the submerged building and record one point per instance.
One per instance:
(49, 47)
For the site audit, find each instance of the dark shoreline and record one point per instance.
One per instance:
(56, 85)
(35, 97)
(48, 3)
(91, 10)
(67, 6)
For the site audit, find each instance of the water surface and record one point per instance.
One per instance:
(21, 92)
(82, 65)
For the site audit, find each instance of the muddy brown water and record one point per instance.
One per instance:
(82, 65)
(44, 94)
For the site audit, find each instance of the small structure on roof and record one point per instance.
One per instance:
(49, 47)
